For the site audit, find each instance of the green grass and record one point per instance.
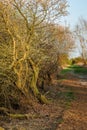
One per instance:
(64, 71)
(76, 69)
(67, 97)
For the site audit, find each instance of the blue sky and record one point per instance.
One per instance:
(77, 9)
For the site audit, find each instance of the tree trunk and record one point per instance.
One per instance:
(34, 88)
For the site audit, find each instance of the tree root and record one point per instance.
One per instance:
(24, 116)
(43, 99)
(7, 113)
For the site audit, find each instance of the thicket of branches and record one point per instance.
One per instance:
(30, 44)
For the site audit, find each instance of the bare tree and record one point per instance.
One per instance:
(26, 23)
(65, 43)
(81, 34)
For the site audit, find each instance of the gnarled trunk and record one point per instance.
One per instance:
(34, 88)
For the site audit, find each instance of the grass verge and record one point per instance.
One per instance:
(76, 69)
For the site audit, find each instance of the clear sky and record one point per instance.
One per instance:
(77, 9)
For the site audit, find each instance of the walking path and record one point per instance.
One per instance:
(75, 118)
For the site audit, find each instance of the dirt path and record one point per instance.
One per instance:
(75, 118)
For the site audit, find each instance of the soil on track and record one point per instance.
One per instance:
(75, 118)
